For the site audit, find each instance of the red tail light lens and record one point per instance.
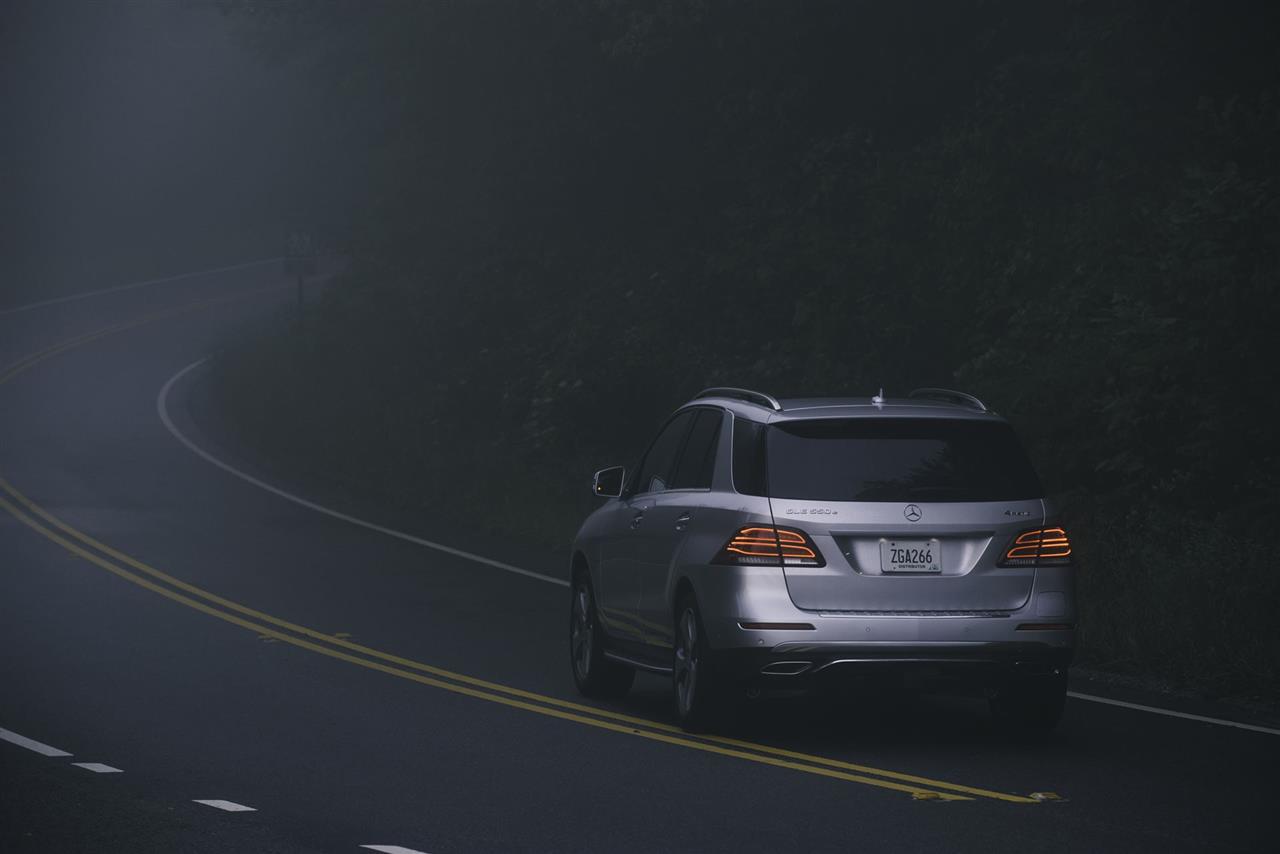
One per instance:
(1039, 546)
(766, 545)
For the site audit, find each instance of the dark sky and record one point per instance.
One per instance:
(140, 138)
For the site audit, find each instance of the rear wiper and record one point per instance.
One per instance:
(902, 493)
(881, 494)
(944, 490)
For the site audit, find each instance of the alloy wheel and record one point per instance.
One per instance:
(581, 636)
(686, 661)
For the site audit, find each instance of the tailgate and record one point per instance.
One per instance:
(860, 574)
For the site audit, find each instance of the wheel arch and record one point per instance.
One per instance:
(683, 585)
(578, 566)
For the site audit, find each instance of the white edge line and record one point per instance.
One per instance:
(1171, 713)
(162, 408)
(30, 743)
(131, 285)
(97, 767)
(393, 849)
(227, 806)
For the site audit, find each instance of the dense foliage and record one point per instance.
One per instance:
(579, 213)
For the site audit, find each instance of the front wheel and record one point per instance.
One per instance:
(595, 675)
(699, 698)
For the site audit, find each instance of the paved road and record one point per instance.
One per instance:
(214, 641)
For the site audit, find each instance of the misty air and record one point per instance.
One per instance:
(638, 426)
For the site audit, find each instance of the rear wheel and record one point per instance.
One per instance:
(595, 675)
(1031, 705)
(699, 694)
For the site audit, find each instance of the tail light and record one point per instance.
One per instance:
(1039, 546)
(766, 545)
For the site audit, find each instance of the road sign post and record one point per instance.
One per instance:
(301, 262)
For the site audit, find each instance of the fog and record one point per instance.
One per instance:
(287, 545)
(562, 220)
(143, 138)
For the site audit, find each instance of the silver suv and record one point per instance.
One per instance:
(764, 544)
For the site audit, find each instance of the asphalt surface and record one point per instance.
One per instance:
(215, 641)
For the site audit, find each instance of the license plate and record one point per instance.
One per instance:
(910, 556)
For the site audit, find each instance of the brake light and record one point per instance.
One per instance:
(1039, 545)
(763, 545)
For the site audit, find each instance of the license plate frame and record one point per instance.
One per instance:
(910, 556)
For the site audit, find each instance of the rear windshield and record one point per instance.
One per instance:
(897, 459)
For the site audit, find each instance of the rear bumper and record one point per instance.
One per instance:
(753, 625)
(793, 664)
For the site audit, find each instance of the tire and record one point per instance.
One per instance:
(1031, 706)
(696, 686)
(595, 675)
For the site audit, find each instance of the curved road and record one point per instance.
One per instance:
(233, 664)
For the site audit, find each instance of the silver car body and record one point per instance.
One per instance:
(644, 550)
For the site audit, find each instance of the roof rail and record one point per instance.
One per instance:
(946, 395)
(749, 396)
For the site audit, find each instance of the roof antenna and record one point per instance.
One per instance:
(878, 399)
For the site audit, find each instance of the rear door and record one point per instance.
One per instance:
(910, 514)
(629, 541)
(667, 523)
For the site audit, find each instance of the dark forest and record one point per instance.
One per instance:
(573, 213)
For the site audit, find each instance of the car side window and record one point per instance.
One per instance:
(654, 473)
(698, 459)
(748, 457)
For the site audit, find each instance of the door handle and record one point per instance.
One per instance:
(639, 517)
(682, 521)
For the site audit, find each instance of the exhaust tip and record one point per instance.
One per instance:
(785, 668)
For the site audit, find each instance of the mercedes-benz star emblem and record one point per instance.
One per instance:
(912, 512)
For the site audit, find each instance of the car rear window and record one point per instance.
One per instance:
(897, 459)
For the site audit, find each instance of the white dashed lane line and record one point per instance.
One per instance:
(30, 744)
(229, 806)
(217, 803)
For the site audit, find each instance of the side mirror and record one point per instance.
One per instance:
(608, 482)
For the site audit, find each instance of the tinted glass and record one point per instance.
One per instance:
(655, 472)
(748, 457)
(887, 459)
(698, 460)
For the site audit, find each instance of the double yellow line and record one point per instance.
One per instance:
(30, 361)
(135, 571)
